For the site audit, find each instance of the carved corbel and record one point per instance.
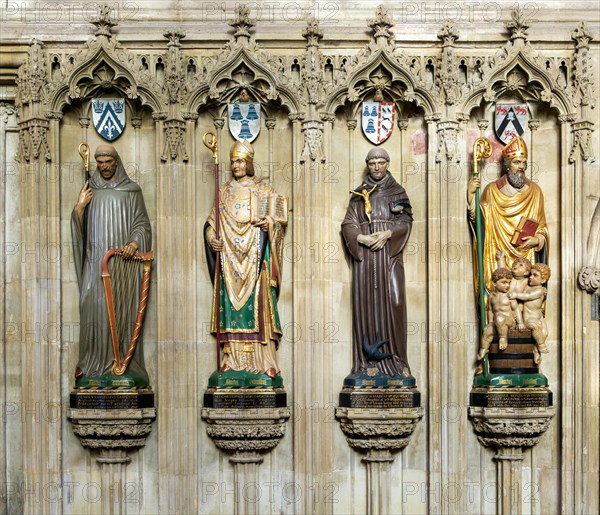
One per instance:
(313, 142)
(379, 434)
(174, 141)
(482, 125)
(509, 431)
(33, 140)
(246, 434)
(582, 141)
(448, 142)
(6, 110)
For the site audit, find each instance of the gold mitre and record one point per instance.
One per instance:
(515, 148)
(243, 150)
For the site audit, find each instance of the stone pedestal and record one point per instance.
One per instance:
(122, 429)
(510, 431)
(112, 432)
(246, 433)
(379, 433)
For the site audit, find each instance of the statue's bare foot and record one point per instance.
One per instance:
(543, 348)
(271, 373)
(503, 343)
(479, 369)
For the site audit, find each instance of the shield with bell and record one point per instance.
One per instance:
(244, 120)
(378, 120)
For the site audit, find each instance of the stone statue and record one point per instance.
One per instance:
(520, 270)
(589, 275)
(532, 300)
(510, 205)
(500, 312)
(376, 229)
(252, 219)
(110, 214)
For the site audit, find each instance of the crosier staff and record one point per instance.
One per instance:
(210, 141)
(84, 152)
(481, 150)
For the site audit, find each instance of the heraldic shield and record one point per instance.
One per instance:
(108, 115)
(244, 120)
(510, 121)
(378, 120)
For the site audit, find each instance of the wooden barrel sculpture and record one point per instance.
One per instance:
(519, 357)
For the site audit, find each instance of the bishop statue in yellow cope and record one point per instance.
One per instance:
(513, 213)
(250, 248)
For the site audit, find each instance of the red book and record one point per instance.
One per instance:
(527, 227)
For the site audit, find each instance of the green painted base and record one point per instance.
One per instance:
(243, 379)
(378, 380)
(504, 380)
(127, 380)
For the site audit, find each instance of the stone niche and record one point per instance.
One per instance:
(311, 77)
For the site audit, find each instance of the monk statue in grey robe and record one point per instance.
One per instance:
(376, 229)
(110, 214)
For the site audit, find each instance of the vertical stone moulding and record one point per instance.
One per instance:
(379, 433)
(246, 434)
(510, 430)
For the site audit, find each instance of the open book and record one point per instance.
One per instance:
(263, 203)
(526, 227)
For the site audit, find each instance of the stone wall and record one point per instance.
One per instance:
(179, 64)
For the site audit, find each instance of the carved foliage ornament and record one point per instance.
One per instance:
(447, 78)
(33, 140)
(32, 76)
(582, 80)
(313, 142)
(582, 142)
(174, 140)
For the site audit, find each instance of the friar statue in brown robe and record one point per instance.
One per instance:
(376, 228)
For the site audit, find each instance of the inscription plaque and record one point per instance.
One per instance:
(388, 399)
(528, 398)
(240, 398)
(98, 400)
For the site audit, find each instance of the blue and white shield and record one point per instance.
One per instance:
(510, 121)
(378, 120)
(244, 120)
(108, 115)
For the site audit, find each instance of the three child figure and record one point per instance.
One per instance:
(517, 302)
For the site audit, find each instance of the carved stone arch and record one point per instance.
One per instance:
(499, 81)
(264, 84)
(100, 70)
(400, 79)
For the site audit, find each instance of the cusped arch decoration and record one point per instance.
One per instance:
(502, 79)
(360, 85)
(102, 70)
(222, 85)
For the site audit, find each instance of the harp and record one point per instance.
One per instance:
(124, 280)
